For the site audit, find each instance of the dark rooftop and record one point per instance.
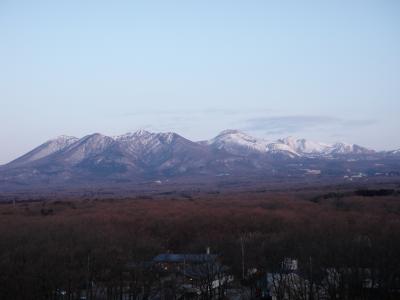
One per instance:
(180, 258)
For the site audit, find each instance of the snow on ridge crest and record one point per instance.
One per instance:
(144, 135)
(132, 135)
(235, 141)
(238, 142)
(63, 138)
(231, 141)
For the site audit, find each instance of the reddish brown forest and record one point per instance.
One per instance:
(47, 246)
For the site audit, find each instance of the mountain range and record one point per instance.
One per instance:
(143, 155)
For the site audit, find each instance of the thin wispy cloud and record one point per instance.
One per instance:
(297, 123)
(191, 112)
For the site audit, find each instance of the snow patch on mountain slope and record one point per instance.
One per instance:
(87, 146)
(55, 145)
(395, 151)
(46, 149)
(276, 148)
(303, 146)
(142, 142)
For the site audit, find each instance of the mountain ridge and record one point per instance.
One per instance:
(144, 155)
(235, 141)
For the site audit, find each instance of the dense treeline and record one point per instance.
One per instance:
(346, 245)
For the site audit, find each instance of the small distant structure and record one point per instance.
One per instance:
(274, 285)
(177, 259)
(290, 264)
(313, 172)
(202, 274)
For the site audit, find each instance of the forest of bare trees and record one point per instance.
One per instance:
(346, 246)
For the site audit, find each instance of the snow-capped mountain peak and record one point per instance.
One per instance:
(142, 132)
(344, 148)
(132, 135)
(142, 155)
(63, 139)
(240, 143)
(237, 142)
(304, 146)
(50, 147)
(87, 146)
(142, 143)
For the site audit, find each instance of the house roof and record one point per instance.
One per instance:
(204, 270)
(181, 258)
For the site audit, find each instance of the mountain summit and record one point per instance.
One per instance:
(144, 155)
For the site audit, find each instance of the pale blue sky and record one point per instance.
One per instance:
(325, 70)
